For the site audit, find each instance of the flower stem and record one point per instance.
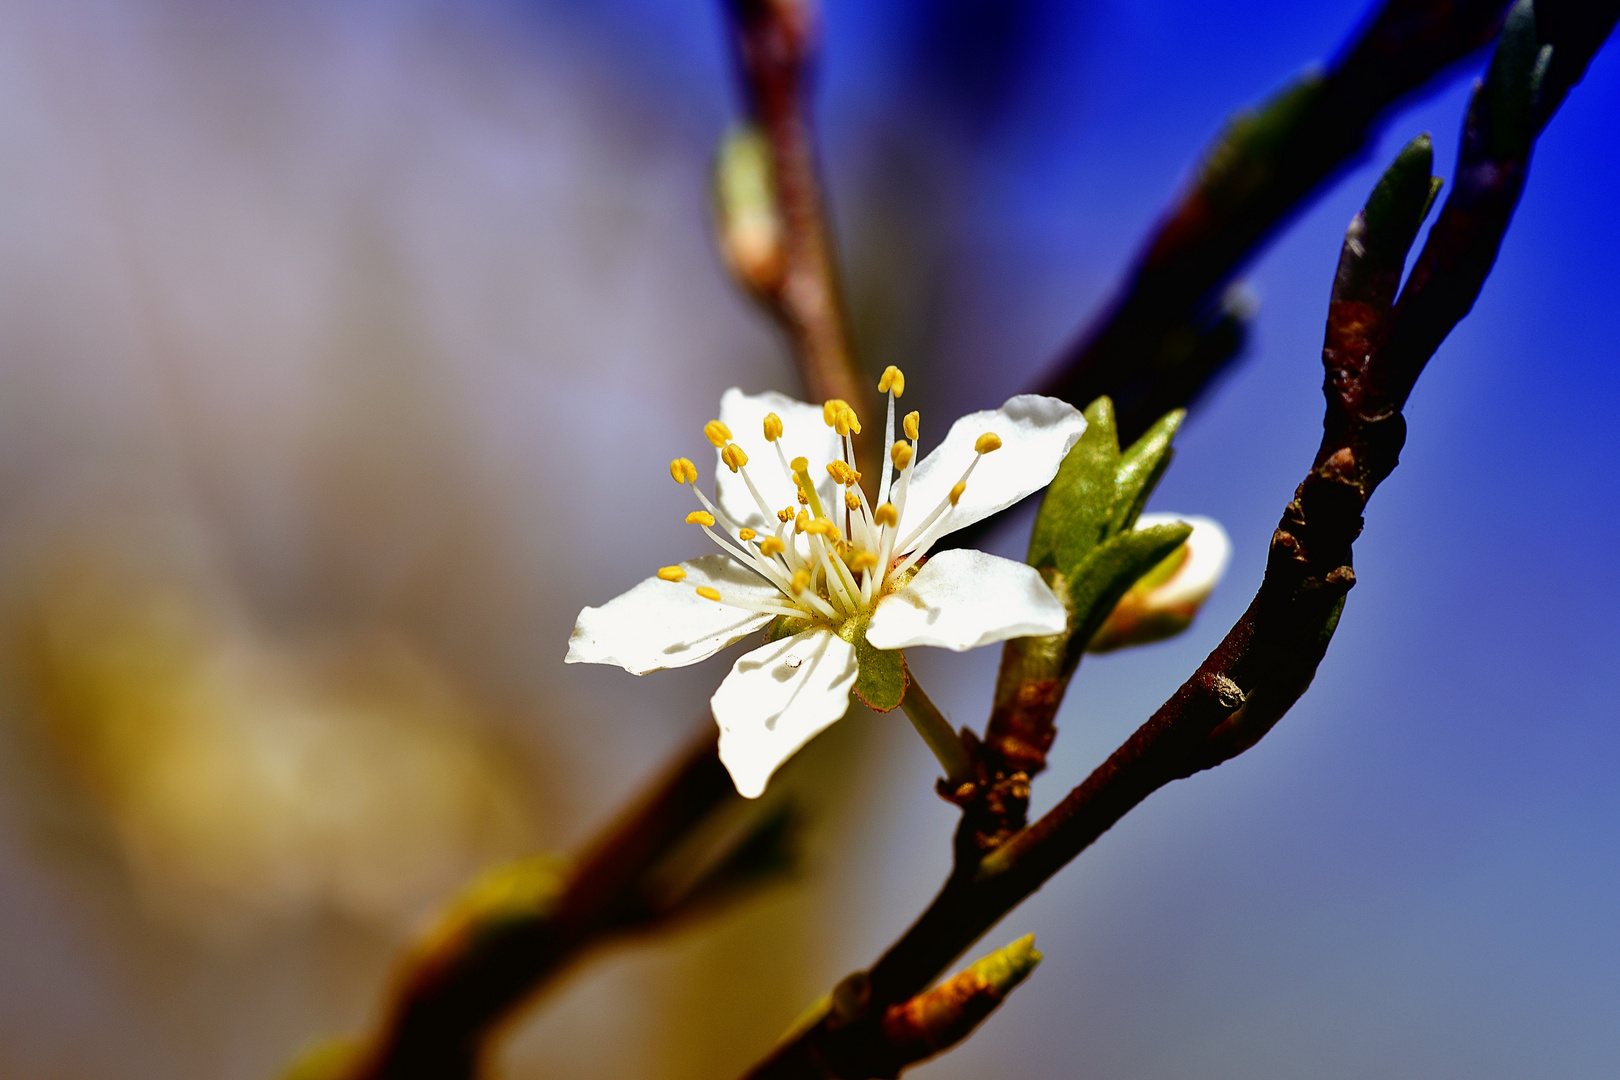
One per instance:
(937, 732)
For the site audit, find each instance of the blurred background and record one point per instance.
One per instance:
(342, 348)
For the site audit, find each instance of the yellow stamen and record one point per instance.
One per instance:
(900, 454)
(863, 560)
(892, 380)
(987, 442)
(746, 534)
(956, 492)
(886, 514)
(682, 470)
(717, 433)
(804, 500)
(910, 424)
(771, 546)
(802, 522)
(799, 464)
(700, 517)
(821, 527)
(708, 593)
(733, 457)
(672, 573)
(785, 515)
(852, 500)
(801, 581)
(773, 427)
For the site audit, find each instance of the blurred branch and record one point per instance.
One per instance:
(519, 927)
(797, 281)
(1173, 326)
(1376, 345)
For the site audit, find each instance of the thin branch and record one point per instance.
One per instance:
(453, 994)
(775, 44)
(1376, 346)
(1171, 328)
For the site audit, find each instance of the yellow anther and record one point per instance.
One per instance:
(987, 442)
(700, 517)
(799, 464)
(771, 546)
(801, 581)
(821, 527)
(842, 473)
(956, 492)
(910, 424)
(886, 514)
(773, 427)
(804, 500)
(785, 514)
(717, 433)
(707, 593)
(900, 454)
(840, 416)
(682, 470)
(746, 534)
(802, 522)
(863, 560)
(852, 500)
(892, 381)
(733, 457)
(672, 573)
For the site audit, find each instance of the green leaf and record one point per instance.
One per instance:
(1110, 572)
(881, 680)
(1076, 510)
(1400, 201)
(1513, 83)
(1141, 468)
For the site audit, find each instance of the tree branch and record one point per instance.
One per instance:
(502, 947)
(1375, 348)
(775, 45)
(1171, 329)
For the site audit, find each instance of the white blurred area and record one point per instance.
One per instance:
(342, 347)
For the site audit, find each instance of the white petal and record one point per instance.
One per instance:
(776, 699)
(962, 599)
(804, 434)
(1035, 431)
(1209, 549)
(666, 624)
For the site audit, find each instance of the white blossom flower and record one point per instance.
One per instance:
(842, 582)
(1163, 603)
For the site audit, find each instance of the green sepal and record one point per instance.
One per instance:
(881, 679)
(1111, 571)
(785, 626)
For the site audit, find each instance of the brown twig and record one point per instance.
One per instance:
(775, 45)
(1375, 348)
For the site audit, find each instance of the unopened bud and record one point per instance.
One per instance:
(1165, 600)
(749, 219)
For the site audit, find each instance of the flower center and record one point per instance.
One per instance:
(829, 563)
